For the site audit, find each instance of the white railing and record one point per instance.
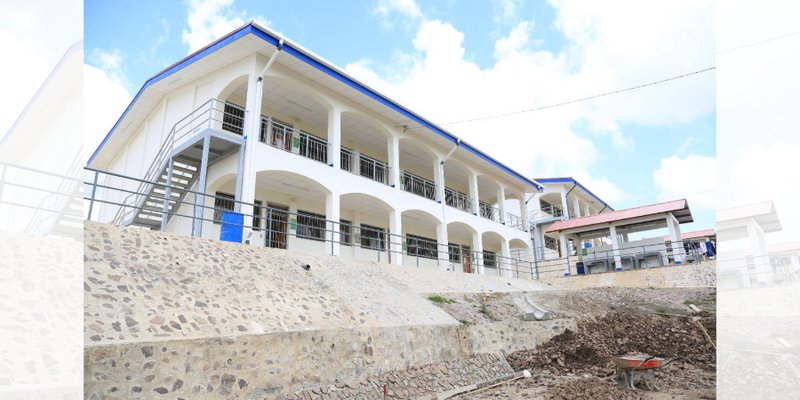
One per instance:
(211, 114)
(489, 212)
(293, 140)
(418, 185)
(365, 166)
(457, 200)
(514, 221)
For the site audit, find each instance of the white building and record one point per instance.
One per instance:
(314, 159)
(561, 198)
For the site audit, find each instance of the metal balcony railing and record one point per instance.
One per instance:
(293, 140)
(489, 212)
(552, 209)
(418, 185)
(514, 221)
(457, 200)
(365, 166)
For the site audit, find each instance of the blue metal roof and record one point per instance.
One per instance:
(572, 180)
(313, 61)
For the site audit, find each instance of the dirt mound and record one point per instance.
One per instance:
(590, 388)
(596, 341)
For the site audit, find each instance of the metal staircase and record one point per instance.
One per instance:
(177, 166)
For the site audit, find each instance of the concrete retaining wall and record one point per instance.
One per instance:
(688, 275)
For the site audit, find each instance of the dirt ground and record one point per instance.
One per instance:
(611, 322)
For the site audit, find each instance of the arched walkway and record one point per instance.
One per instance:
(364, 147)
(456, 178)
(418, 166)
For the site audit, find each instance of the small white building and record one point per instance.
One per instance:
(315, 160)
(561, 198)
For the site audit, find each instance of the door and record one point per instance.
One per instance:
(282, 135)
(277, 223)
(466, 256)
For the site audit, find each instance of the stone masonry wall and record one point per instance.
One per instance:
(687, 275)
(417, 382)
(511, 336)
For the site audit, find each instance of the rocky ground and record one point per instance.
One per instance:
(611, 322)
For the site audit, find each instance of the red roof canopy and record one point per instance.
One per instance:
(679, 208)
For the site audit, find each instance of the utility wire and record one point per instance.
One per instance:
(563, 103)
(744, 46)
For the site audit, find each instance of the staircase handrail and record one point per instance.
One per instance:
(131, 202)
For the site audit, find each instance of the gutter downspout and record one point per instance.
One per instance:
(441, 179)
(249, 143)
(567, 197)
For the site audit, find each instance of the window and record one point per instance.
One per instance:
(222, 202)
(550, 243)
(310, 225)
(454, 252)
(345, 232)
(233, 118)
(259, 205)
(373, 237)
(489, 259)
(421, 246)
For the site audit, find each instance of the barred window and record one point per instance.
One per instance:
(259, 205)
(233, 118)
(373, 237)
(345, 232)
(421, 246)
(222, 202)
(489, 259)
(454, 252)
(550, 243)
(310, 225)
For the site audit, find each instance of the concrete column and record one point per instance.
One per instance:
(438, 179)
(562, 238)
(477, 248)
(441, 246)
(675, 237)
(577, 208)
(523, 214)
(615, 248)
(395, 241)
(501, 203)
(252, 129)
(393, 150)
(473, 192)
(332, 214)
(335, 138)
(505, 262)
(758, 247)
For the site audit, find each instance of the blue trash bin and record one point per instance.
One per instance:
(231, 228)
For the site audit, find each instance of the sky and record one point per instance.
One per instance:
(455, 60)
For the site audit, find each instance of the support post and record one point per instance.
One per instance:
(395, 237)
(167, 196)
(393, 150)
(252, 130)
(477, 247)
(335, 138)
(564, 251)
(200, 196)
(675, 237)
(473, 192)
(332, 211)
(501, 203)
(505, 264)
(441, 242)
(615, 248)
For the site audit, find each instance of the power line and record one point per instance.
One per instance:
(563, 103)
(760, 42)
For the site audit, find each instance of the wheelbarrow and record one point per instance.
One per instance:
(638, 368)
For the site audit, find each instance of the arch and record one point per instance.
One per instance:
(362, 134)
(517, 243)
(289, 182)
(365, 203)
(425, 217)
(294, 104)
(459, 232)
(220, 181)
(487, 189)
(234, 85)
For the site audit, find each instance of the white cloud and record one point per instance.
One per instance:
(161, 38)
(211, 19)
(692, 177)
(105, 98)
(606, 50)
(508, 10)
(111, 63)
(389, 10)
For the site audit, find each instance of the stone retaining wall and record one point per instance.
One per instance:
(418, 382)
(687, 275)
(511, 336)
